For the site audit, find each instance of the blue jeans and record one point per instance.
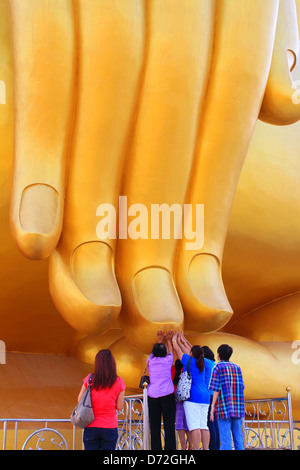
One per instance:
(228, 427)
(100, 438)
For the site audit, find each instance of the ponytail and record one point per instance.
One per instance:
(198, 354)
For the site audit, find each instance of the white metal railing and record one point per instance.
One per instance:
(134, 423)
(50, 434)
(268, 424)
(39, 430)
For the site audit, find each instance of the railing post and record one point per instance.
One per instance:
(130, 425)
(4, 435)
(74, 438)
(16, 435)
(291, 422)
(146, 417)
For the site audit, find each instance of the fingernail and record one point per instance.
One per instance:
(206, 282)
(39, 208)
(92, 269)
(156, 297)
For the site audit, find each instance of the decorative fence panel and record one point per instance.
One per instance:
(268, 424)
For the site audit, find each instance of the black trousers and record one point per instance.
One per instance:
(165, 407)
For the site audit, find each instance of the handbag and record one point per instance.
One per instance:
(183, 390)
(83, 414)
(144, 378)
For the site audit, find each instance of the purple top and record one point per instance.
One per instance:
(159, 368)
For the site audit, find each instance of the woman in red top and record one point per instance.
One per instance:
(107, 397)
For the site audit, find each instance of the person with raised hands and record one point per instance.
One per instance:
(196, 406)
(161, 396)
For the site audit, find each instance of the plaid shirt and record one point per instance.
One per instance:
(227, 379)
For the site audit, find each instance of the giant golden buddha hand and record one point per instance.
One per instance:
(155, 101)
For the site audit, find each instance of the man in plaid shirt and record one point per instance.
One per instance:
(227, 384)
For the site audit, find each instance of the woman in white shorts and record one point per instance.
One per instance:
(196, 407)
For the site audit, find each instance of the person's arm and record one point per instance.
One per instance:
(187, 345)
(81, 393)
(177, 349)
(160, 336)
(184, 345)
(214, 401)
(120, 401)
(169, 335)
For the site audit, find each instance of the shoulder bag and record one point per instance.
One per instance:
(144, 378)
(183, 390)
(83, 414)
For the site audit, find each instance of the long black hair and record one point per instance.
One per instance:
(105, 370)
(208, 353)
(198, 354)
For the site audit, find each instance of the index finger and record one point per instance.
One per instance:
(43, 48)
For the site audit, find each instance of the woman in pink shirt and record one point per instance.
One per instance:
(161, 397)
(107, 397)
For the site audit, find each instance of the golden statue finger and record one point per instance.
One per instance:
(81, 273)
(160, 161)
(43, 44)
(229, 117)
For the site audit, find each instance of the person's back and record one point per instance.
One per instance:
(231, 386)
(228, 387)
(104, 402)
(161, 382)
(209, 365)
(199, 392)
(107, 393)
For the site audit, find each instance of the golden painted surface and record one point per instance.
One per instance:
(161, 102)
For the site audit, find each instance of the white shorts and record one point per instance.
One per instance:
(196, 415)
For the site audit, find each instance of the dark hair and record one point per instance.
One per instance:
(198, 354)
(208, 353)
(105, 370)
(159, 350)
(225, 352)
(178, 368)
